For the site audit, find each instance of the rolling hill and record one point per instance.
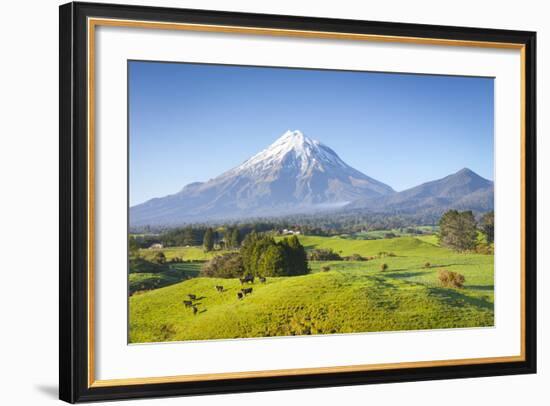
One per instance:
(350, 297)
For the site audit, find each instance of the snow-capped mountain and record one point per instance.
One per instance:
(294, 174)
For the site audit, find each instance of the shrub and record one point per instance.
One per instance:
(224, 266)
(485, 249)
(427, 265)
(323, 255)
(325, 268)
(450, 279)
(384, 267)
(355, 257)
(390, 235)
(159, 258)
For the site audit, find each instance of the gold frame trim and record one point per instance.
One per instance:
(94, 22)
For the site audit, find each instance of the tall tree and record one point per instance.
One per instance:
(457, 230)
(235, 238)
(272, 261)
(488, 226)
(133, 247)
(296, 256)
(208, 240)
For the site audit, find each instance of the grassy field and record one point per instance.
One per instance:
(351, 297)
(377, 234)
(185, 253)
(140, 282)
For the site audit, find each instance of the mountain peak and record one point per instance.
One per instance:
(292, 135)
(294, 174)
(294, 140)
(465, 171)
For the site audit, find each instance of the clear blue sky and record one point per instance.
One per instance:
(191, 122)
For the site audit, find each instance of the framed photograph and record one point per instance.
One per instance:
(257, 202)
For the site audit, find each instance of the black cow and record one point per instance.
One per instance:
(219, 288)
(195, 310)
(247, 279)
(188, 303)
(262, 279)
(192, 297)
(239, 295)
(246, 291)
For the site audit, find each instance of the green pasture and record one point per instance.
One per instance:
(140, 282)
(350, 297)
(185, 253)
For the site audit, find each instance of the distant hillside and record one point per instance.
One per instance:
(463, 190)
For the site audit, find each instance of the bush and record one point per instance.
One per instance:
(224, 266)
(427, 265)
(383, 254)
(450, 279)
(325, 268)
(324, 255)
(384, 267)
(485, 249)
(355, 257)
(159, 258)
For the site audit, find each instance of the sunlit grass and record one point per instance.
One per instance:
(350, 297)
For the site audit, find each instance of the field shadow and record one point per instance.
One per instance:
(403, 275)
(455, 298)
(481, 287)
(381, 283)
(444, 265)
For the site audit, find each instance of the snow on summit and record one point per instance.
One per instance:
(307, 154)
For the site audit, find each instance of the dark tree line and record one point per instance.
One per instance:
(263, 256)
(260, 255)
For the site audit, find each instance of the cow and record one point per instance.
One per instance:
(262, 279)
(239, 295)
(188, 303)
(192, 297)
(247, 279)
(246, 291)
(195, 310)
(219, 288)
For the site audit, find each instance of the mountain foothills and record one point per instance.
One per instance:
(297, 174)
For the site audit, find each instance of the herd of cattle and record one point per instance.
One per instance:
(192, 302)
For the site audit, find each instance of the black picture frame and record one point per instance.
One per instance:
(74, 199)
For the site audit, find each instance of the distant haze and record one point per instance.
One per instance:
(191, 122)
